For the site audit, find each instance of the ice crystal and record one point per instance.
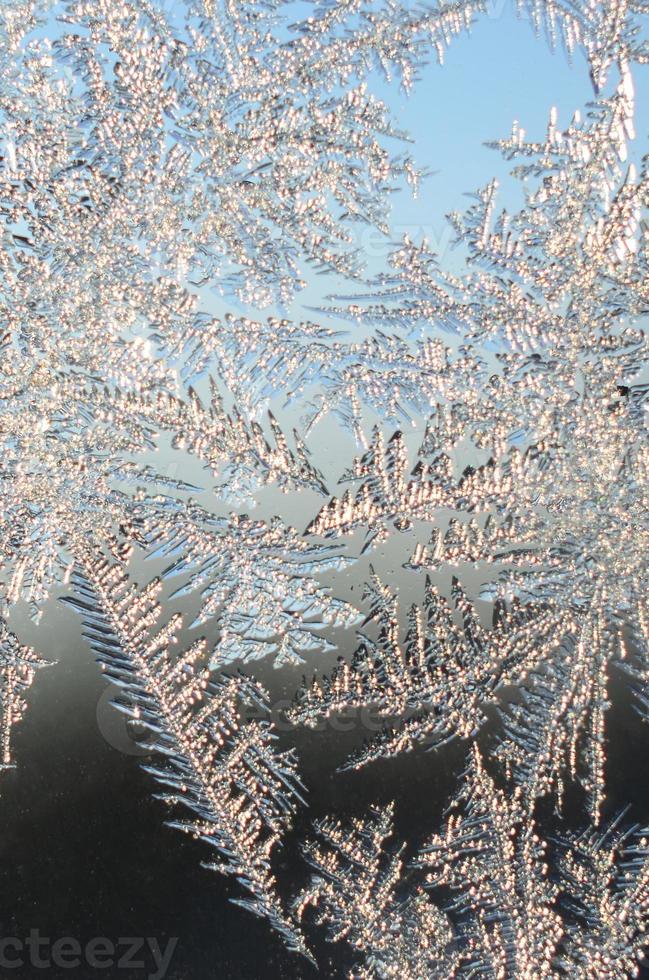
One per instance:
(507, 915)
(608, 32)
(389, 495)
(222, 767)
(117, 135)
(448, 668)
(159, 164)
(254, 578)
(355, 892)
(551, 325)
(492, 860)
(321, 372)
(237, 448)
(18, 666)
(519, 911)
(606, 877)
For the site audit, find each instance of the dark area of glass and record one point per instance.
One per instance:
(85, 852)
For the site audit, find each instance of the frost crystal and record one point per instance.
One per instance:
(223, 768)
(444, 672)
(354, 892)
(171, 178)
(18, 666)
(556, 420)
(255, 580)
(506, 917)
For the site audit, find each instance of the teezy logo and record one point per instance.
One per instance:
(100, 953)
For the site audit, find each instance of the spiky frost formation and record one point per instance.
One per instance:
(222, 767)
(355, 892)
(502, 903)
(18, 666)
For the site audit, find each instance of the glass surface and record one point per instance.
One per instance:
(250, 354)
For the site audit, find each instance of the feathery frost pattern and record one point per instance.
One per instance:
(506, 915)
(18, 666)
(354, 892)
(255, 581)
(441, 677)
(173, 178)
(239, 788)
